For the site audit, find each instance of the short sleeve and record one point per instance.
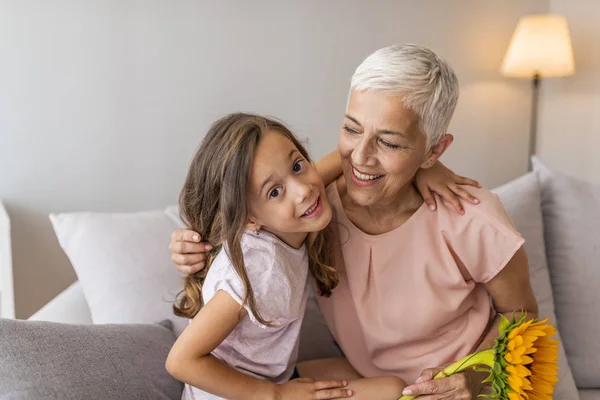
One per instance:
(484, 239)
(223, 276)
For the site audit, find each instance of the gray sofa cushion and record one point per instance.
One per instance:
(522, 200)
(46, 360)
(571, 210)
(589, 394)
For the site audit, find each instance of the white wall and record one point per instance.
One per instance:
(102, 102)
(570, 107)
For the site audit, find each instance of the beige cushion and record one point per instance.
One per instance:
(571, 210)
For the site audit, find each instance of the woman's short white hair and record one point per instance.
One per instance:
(425, 81)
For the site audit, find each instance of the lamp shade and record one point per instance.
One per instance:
(541, 44)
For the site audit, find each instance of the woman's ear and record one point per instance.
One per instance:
(436, 151)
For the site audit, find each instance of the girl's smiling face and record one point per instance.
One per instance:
(287, 196)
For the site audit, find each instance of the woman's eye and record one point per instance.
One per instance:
(274, 193)
(350, 130)
(298, 165)
(390, 145)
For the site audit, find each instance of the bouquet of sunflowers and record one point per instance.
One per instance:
(522, 364)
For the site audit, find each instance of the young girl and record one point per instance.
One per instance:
(252, 193)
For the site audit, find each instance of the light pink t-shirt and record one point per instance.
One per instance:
(403, 304)
(279, 277)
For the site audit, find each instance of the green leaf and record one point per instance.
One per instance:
(497, 368)
(504, 324)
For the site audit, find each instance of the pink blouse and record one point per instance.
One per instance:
(403, 304)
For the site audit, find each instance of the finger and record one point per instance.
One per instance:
(428, 374)
(461, 180)
(188, 259)
(428, 197)
(185, 235)
(437, 386)
(465, 195)
(449, 197)
(190, 247)
(184, 269)
(320, 385)
(443, 396)
(333, 394)
(190, 269)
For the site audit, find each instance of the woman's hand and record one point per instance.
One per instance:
(465, 385)
(187, 251)
(307, 389)
(446, 183)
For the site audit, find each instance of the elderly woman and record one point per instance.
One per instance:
(417, 289)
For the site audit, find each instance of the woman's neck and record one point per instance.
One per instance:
(384, 216)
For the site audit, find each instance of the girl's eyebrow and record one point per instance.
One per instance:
(270, 178)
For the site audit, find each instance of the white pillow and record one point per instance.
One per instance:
(522, 200)
(123, 264)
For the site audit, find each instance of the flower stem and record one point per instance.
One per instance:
(485, 357)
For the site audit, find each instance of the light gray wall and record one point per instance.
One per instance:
(102, 102)
(570, 107)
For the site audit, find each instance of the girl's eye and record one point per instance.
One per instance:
(350, 130)
(274, 193)
(298, 165)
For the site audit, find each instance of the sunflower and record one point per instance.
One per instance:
(522, 364)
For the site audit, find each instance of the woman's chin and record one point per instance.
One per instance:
(362, 196)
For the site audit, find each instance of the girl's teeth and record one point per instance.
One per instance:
(312, 209)
(364, 177)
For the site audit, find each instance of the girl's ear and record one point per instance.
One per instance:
(253, 225)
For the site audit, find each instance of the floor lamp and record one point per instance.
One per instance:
(540, 48)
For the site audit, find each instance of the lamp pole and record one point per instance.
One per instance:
(534, 117)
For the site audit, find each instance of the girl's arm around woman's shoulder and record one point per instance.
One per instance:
(191, 362)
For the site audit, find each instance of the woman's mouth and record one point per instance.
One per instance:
(362, 179)
(314, 210)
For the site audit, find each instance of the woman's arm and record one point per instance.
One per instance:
(511, 294)
(380, 388)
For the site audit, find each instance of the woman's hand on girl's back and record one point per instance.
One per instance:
(188, 252)
(307, 389)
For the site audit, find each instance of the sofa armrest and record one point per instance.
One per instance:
(69, 306)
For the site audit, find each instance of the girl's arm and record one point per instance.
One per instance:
(329, 167)
(190, 360)
(438, 178)
(380, 388)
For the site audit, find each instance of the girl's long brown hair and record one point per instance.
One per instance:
(213, 203)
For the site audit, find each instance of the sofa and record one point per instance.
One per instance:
(126, 286)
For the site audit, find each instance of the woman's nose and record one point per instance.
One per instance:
(361, 152)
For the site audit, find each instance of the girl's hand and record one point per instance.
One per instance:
(465, 385)
(187, 251)
(307, 389)
(446, 183)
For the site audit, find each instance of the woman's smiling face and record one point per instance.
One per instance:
(382, 146)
